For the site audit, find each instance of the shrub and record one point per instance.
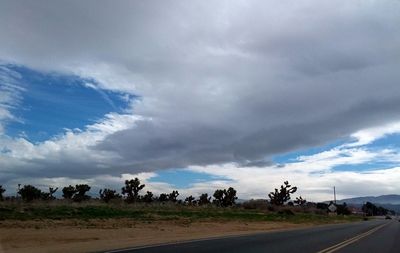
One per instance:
(107, 195)
(285, 212)
(255, 204)
(300, 201)
(2, 190)
(148, 197)
(343, 209)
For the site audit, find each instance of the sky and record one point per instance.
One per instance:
(202, 95)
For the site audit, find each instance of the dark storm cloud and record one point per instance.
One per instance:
(219, 81)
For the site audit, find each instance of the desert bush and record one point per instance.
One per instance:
(285, 211)
(107, 195)
(323, 206)
(2, 190)
(343, 209)
(148, 197)
(320, 212)
(259, 204)
(300, 201)
(372, 210)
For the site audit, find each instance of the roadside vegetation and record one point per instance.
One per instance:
(136, 203)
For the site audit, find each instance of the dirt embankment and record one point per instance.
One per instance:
(97, 235)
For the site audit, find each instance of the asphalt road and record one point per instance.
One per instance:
(380, 236)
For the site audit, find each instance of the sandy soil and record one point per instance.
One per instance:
(98, 235)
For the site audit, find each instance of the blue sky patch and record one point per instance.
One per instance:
(388, 141)
(364, 166)
(291, 157)
(183, 178)
(52, 102)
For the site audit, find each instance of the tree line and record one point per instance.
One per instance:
(372, 210)
(131, 193)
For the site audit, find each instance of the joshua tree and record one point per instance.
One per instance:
(80, 194)
(107, 194)
(173, 195)
(2, 190)
(29, 193)
(218, 197)
(300, 201)
(229, 197)
(148, 197)
(204, 199)
(163, 197)
(132, 188)
(190, 200)
(280, 197)
(225, 197)
(48, 195)
(52, 191)
(69, 192)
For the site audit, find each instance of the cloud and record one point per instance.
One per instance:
(369, 135)
(313, 174)
(10, 95)
(219, 82)
(67, 154)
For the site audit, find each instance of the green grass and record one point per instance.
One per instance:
(157, 212)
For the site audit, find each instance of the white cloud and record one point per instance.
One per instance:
(10, 95)
(369, 135)
(67, 154)
(314, 175)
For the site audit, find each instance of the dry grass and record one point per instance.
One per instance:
(96, 235)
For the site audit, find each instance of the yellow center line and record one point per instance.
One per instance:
(351, 240)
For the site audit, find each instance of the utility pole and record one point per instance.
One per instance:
(334, 195)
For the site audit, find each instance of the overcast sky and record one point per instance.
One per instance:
(241, 93)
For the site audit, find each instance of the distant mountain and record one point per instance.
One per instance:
(392, 199)
(391, 202)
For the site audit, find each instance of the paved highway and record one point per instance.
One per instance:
(380, 236)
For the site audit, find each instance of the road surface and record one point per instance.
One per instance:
(380, 236)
